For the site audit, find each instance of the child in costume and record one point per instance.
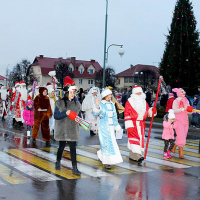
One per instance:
(179, 106)
(28, 117)
(169, 125)
(109, 153)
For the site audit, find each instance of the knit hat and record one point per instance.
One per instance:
(171, 114)
(118, 96)
(137, 89)
(105, 92)
(171, 94)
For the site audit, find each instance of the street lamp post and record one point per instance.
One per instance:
(121, 51)
(105, 40)
(138, 73)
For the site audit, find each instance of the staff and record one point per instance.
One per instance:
(158, 89)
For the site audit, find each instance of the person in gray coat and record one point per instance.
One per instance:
(67, 130)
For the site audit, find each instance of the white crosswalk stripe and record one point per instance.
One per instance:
(124, 165)
(1, 183)
(154, 160)
(67, 163)
(26, 168)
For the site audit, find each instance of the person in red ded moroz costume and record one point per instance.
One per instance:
(42, 113)
(136, 111)
(170, 102)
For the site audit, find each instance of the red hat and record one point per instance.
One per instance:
(68, 81)
(22, 83)
(16, 83)
(137, 89)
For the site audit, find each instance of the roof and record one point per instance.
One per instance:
(138, 68)
(3, 78)
(48, 64)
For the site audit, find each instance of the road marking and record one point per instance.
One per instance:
(1, 183)
(126, 158)
(93, 162)
(11, 176)
(189, 146)
(158, 145)
(46, 165)
(153, 159)
(124, 165)
(67, 163)
(26, 168)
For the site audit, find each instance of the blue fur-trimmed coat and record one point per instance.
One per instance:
(108, 118)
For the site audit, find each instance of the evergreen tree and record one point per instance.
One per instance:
(180, 65)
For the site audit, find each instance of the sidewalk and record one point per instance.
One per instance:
(193, 133)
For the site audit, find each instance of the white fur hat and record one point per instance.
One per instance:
(171, 114)
(50, 90)
(105, 92)
(137, 89)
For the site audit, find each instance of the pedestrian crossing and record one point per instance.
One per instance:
(23, 166)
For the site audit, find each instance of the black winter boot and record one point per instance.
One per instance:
(57, 166)
(75, 170)
(48, 143)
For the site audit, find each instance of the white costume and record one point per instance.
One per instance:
(87, 106)
(3, 101)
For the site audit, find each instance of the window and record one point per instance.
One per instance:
(90, 82)
(126, 79)
(38, 79)
(80, 81)
(70, 69)
(81, 70)
(38, 69)
(90, 71)
(130, 79)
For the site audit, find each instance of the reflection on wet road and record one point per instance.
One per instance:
(29, 169)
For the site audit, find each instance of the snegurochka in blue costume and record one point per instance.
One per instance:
(109, 153)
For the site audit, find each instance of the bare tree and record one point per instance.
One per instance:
(62, 70)
(109, 77)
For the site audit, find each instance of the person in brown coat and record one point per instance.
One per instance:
(42, 113)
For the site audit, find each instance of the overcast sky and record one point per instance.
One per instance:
(75, 28)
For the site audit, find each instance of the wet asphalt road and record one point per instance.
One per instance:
(27, 171)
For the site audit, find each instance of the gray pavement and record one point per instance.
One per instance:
(27, 171)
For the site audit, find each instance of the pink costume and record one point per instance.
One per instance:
(181, 114)
(28, 114)
(168, 131)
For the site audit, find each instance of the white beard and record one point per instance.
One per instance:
(23, 92)
(139, 103)
(3, 94)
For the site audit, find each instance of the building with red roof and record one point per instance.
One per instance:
(84, 71)
(144, 75)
